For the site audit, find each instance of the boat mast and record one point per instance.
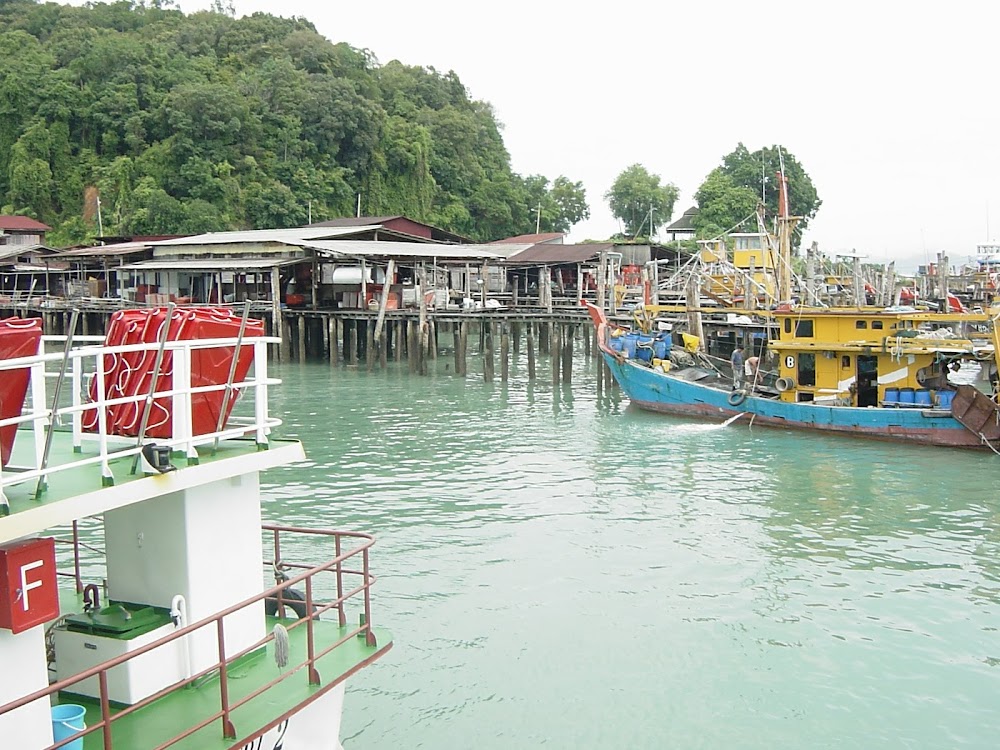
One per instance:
(786, 224)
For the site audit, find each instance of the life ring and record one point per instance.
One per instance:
(737, 397)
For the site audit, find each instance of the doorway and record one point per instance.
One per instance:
(867, 380)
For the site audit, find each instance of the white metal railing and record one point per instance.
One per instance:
(90, 361)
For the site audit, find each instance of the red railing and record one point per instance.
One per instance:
(314, 610)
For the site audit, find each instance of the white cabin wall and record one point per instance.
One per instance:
(203, 543)
(25, 671)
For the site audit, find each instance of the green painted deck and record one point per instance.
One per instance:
(69, 483)
(171, 715)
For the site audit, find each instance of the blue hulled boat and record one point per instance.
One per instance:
(866, 372)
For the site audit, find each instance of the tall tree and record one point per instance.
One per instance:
(722, 204)
(640, 202)
(757, 171)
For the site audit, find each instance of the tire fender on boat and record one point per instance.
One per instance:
(737, 397)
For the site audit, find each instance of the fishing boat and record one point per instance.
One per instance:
(143, 601)
(879, 373)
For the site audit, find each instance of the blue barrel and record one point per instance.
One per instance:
(616, 343)
(891, 397)
(67, 720)
(944, 399)
(628, 344)
(922, 397)
(644, 347)
(906, 397)
(661, 346)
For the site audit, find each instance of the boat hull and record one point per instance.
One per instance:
(667, 394)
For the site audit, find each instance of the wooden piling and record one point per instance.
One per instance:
(488, 352)
(555, 354)
(352, 342)
(515, 330)
(567, 358)
(300, 336)
(504, 355)
(331, 324)
(531, 353)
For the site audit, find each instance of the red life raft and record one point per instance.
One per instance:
(18, 338)
(131, 373)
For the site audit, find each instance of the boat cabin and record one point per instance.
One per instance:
(870, 356)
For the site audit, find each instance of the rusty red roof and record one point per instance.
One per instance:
(22, 224)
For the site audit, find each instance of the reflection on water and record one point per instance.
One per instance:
(566, 569)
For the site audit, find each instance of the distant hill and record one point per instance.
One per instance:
(188, 123)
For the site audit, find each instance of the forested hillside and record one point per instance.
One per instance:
(189, 123)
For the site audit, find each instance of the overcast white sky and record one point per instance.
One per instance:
(891, 107)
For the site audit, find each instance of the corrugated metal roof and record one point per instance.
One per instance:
(283, 236)
(425, 250)
(205, 264)
(121, 248)
(549, 254)
(532, 239)
(357, 221)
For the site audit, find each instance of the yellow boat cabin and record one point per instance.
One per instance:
(874, 356)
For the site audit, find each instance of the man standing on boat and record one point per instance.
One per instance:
(737, 364)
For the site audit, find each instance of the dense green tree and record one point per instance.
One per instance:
(757, 172)
(640, 202)
(207, 121)
(722, 204)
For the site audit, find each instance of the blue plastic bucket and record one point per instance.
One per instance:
(616, 343)
(67, 720)
(906, 396)
(891, 397)
(628, 344)
(944, 399)
(922, 397)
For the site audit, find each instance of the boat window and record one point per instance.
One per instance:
(807, 369)
(860, 323)
(845, 362)
(788, 325)
(877, 324)
(804, 328)
(805, 397)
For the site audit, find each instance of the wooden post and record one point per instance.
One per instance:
(464, 341)
(488, 352)
(276, 326)
(379, 336)
(352, 342)
(516, 336)
(602, 278)
(313, 285)
(331, 324)
(400, 340)
(587, 338)
(370, 346)
(555, 355)
(423, 338)
(514, 297)
(531, 352)
(300, 333)
(485, 278)
(543, 337)
(579, 283)
(694, 310)
(504, 354)
(567, 358)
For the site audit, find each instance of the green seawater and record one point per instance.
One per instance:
(562, 569)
